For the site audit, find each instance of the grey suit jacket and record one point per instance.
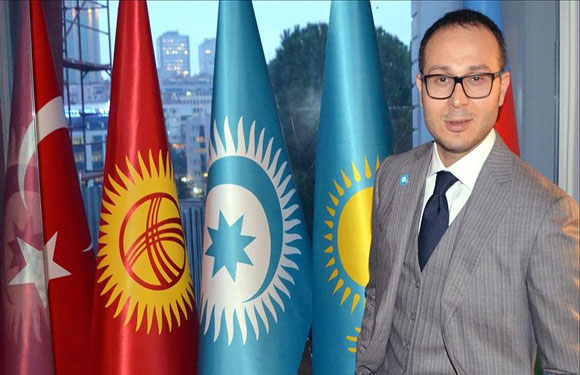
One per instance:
(513, 286)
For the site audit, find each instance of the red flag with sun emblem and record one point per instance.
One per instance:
(68, 257)
(143, 314)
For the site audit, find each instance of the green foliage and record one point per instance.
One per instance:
(296, 73)
(396, 68)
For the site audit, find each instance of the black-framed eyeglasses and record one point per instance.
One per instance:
(475, 85)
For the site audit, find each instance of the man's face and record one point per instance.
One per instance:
(459, 123)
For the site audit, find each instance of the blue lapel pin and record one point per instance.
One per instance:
(404, 179)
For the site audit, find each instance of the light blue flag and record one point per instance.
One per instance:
(490, 8)
(255, 308)
(354, 135)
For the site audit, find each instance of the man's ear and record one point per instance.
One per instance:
(504, 79)
(419, 84)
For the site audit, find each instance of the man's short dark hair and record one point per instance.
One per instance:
(465, 18)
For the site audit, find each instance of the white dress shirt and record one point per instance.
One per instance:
(465, 169)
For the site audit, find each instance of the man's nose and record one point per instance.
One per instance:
(458, 97)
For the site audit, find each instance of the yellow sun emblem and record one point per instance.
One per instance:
(353, 338)
(349, 232)
(142, 252)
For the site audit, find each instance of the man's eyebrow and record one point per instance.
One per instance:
(480, 67)
(447, 69)
(443, 68)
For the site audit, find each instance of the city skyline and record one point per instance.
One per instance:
(174, 55)
(198, 20)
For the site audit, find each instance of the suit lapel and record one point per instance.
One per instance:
(400, 219)
(397, 218)
(486, 203)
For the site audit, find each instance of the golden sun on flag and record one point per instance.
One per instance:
(353, 339)
(142, 252)
(349, 232)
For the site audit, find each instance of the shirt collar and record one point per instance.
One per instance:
(467, 168)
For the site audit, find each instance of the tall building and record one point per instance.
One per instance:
(89, 141)
(173, 55)
(196, 151)
(187, 109)
(192, 215)
(83, 21)
(206, 52)
(94, 92)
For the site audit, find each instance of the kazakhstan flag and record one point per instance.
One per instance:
(353, 138)
(255, 308)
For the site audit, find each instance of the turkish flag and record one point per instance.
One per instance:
(25, 341)
(144, 319)
(69, 258)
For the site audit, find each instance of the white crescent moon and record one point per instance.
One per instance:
(27, 149)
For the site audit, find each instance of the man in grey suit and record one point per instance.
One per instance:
(474, 262)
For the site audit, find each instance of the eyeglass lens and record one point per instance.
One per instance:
(475, 86)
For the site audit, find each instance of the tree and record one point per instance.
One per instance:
(396, 68)
(296, 73)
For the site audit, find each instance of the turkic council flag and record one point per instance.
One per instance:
(255, 292)
(506, 125)
(353, 137)
(143, 317)
(25, 342)
(68, 250)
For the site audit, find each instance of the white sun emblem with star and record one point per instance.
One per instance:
(248, 235)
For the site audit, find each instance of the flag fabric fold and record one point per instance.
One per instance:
(506, 124)
(144, 319)
(68, 252)
(255, 287)
(24, 320)
(354, 136)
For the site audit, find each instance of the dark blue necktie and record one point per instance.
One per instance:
(435, 217)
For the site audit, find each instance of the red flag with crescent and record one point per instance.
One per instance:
(143, 317)
(69, 258)
(25, 341)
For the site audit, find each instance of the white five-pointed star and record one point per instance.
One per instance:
(33, 272)
(55, 271)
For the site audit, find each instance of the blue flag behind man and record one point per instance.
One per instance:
(256, 285)
(353, 137)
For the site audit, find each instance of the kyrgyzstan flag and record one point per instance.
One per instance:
(143, 317)
(69, 257)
